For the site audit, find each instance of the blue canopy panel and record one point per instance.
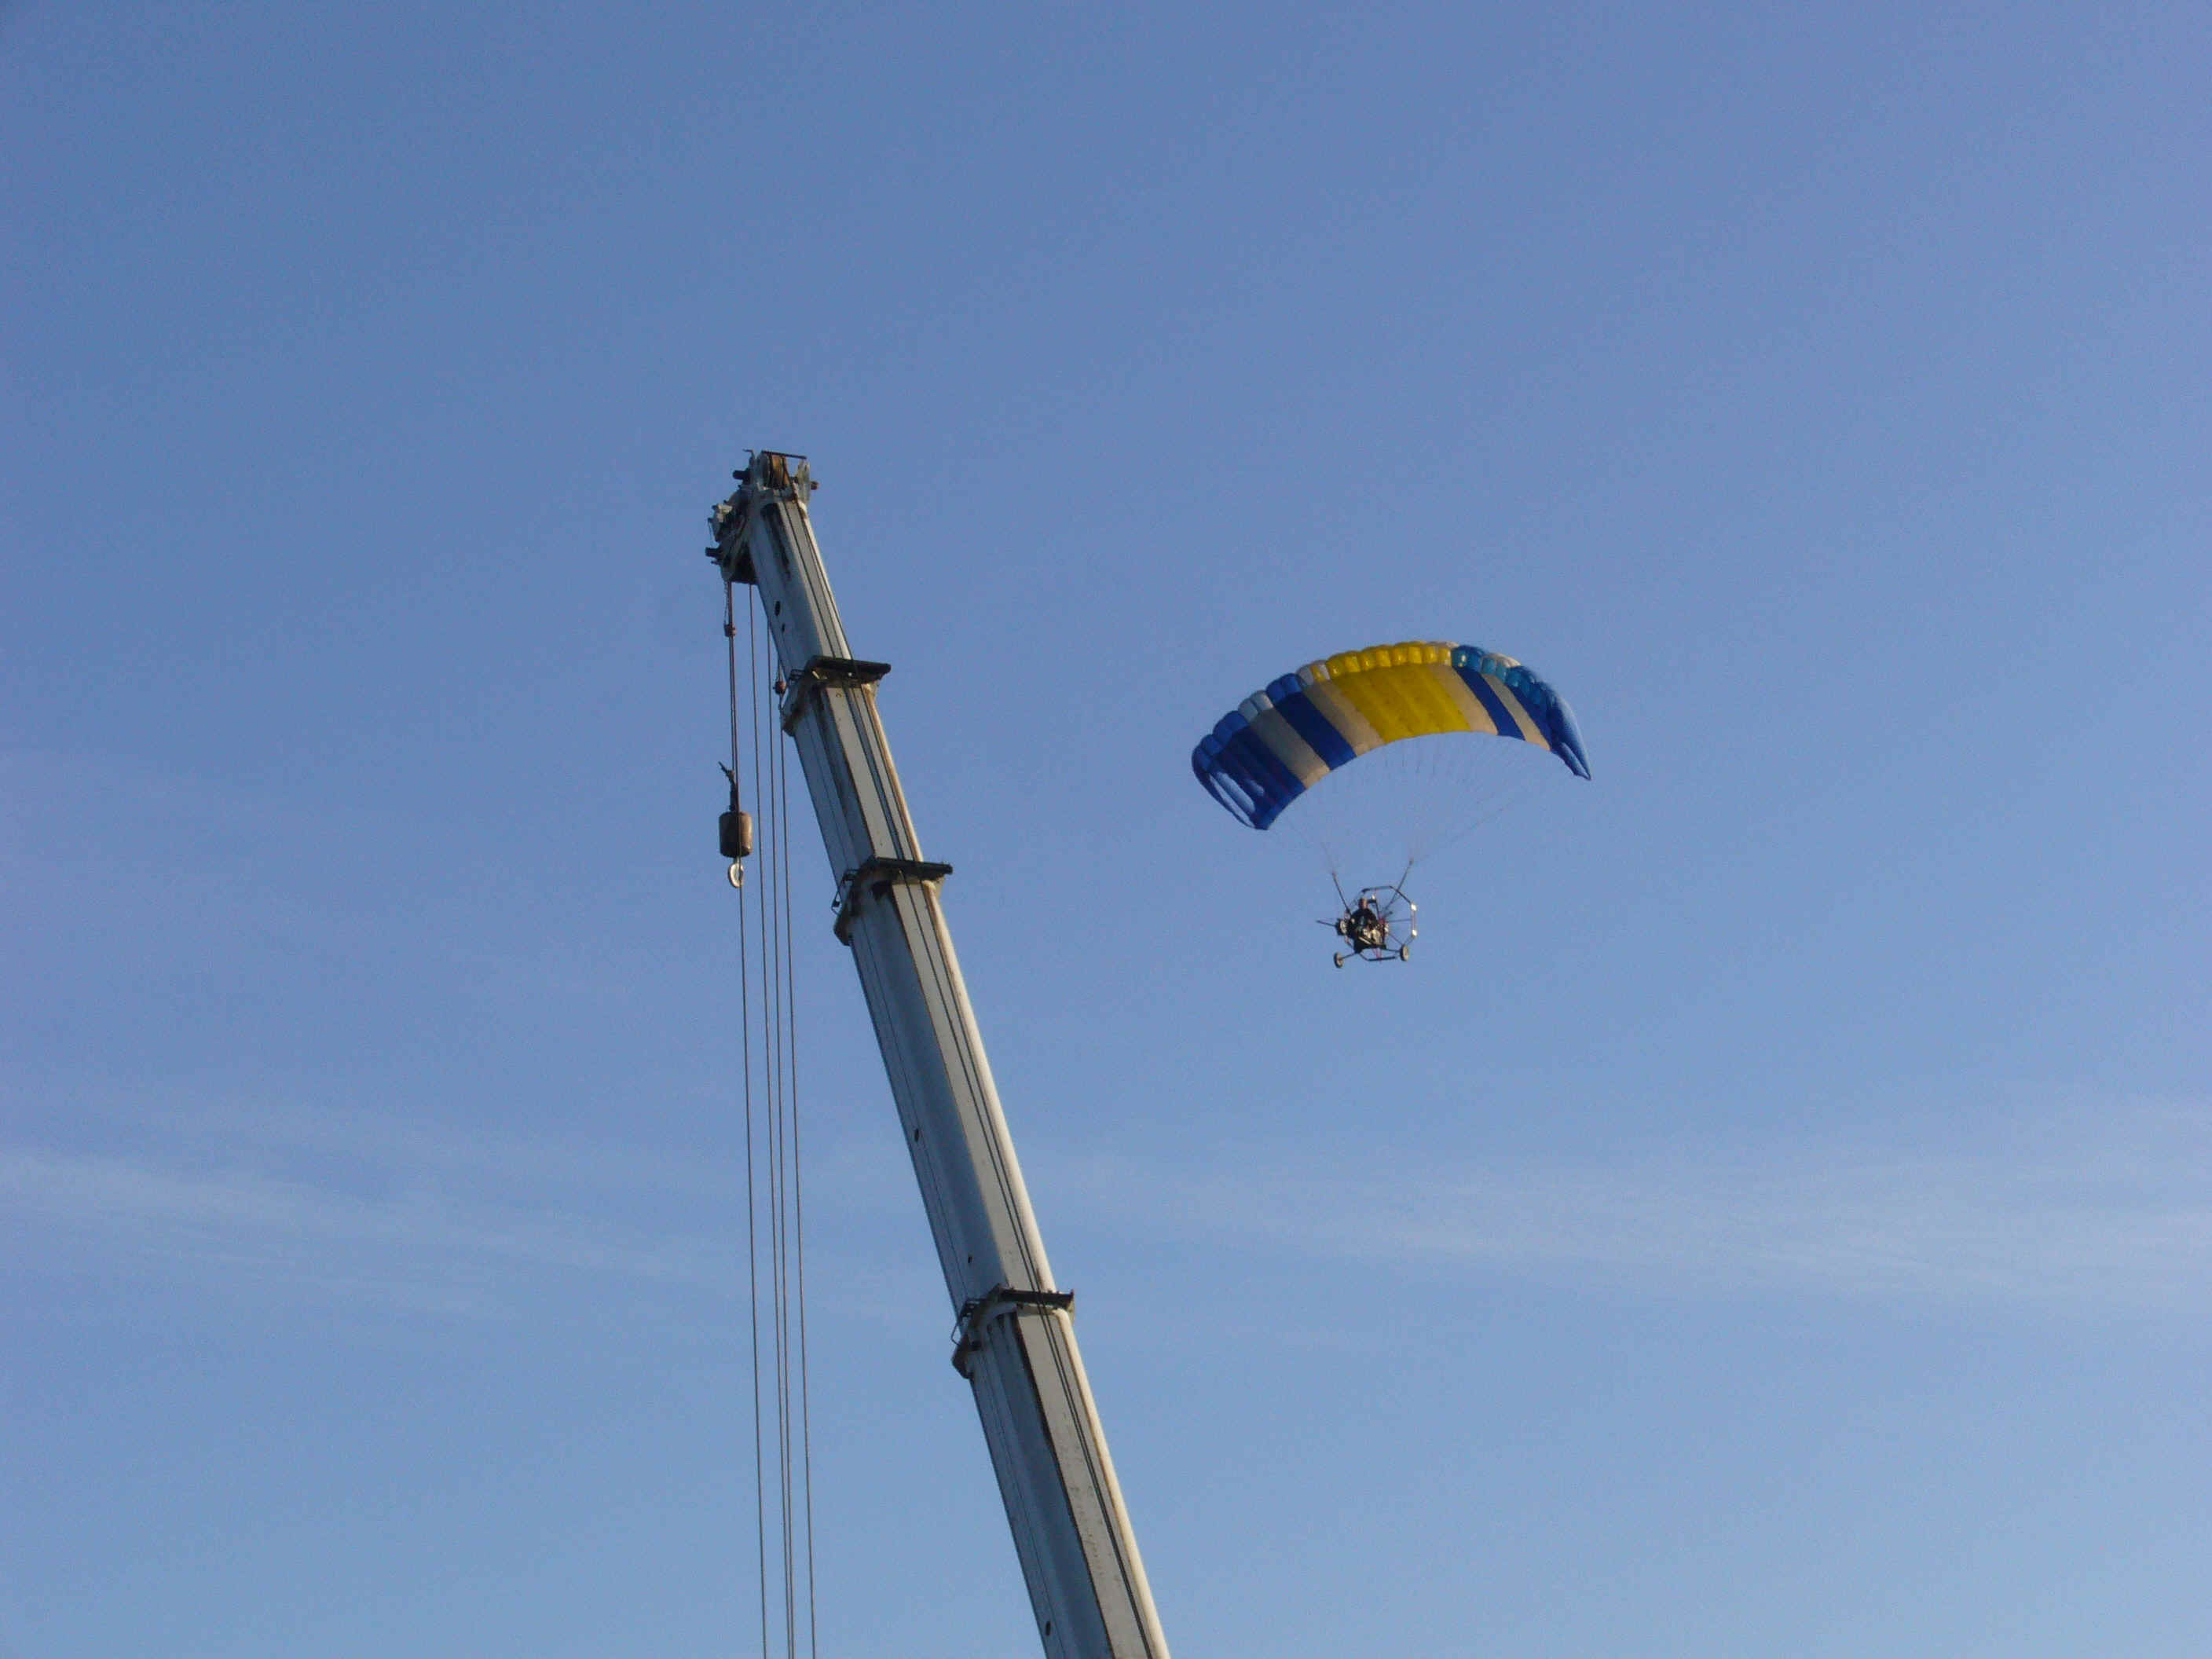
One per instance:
(1279, 742)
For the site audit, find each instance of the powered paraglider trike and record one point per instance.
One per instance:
(1282, 742)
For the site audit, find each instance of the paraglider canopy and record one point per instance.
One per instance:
(1278, 741)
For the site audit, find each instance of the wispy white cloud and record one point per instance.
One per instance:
(413, 1247)
(240, 1196)
(2113, 1211)
(318, 1202)
(2076, 1211)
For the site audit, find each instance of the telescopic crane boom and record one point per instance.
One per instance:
(1015, 1340)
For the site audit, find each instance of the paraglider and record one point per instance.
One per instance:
(1373, 926)
(1281, 741)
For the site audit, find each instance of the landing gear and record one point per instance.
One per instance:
(1379, 925)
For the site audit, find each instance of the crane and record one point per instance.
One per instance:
(1014, 1340)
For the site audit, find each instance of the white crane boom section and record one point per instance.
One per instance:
(1015, 1340)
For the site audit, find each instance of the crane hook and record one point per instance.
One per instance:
(737, 833)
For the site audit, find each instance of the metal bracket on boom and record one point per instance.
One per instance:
(875, 879)
(827, 671)
(1003, 1303)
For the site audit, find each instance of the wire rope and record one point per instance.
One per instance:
(746, 1070)
(798, 1229)
(775, 1215)
(772, 954)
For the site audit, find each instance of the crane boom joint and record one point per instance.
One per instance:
(874, 878)
(1003, 1303)
(822, 672)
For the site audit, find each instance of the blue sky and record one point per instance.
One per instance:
(1772, 1214)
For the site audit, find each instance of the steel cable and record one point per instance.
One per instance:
(745, 1068)
(772, 1168)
